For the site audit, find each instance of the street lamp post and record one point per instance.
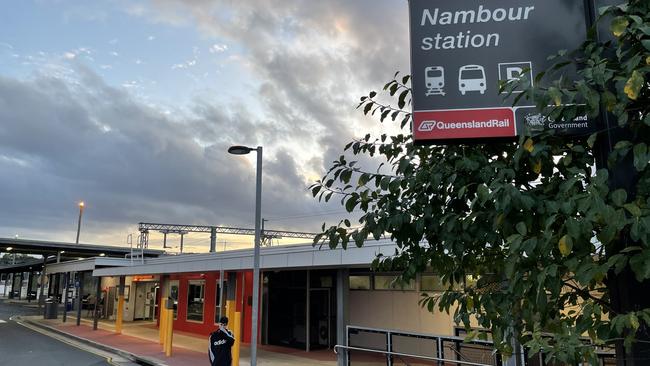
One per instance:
(81, 211)
(243, 150)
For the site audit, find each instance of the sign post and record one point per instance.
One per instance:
(461, 51)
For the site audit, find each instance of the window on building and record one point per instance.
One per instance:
(360, 282)
(431, 283)
(391, 282)
(195, 300)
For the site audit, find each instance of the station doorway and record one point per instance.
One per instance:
(146, 300)
(300, 309)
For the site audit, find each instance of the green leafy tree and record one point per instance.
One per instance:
(561, 250)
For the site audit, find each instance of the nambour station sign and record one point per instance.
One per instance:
(462, 49)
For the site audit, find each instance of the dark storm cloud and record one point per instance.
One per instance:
(63, 141)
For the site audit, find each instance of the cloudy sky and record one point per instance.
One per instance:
(130, 105)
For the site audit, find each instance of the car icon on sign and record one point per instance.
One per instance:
(471, 78)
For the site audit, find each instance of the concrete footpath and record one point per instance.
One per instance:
(139, 343)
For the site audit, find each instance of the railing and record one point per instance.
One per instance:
(405, 355)
(390, 347)
(372, 346)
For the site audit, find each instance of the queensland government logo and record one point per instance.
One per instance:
(428, 126)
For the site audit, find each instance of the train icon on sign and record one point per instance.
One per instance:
(434, 78)
(471, 78)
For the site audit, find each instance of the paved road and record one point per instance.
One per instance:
(22, 346)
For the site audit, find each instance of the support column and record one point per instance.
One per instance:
(11, 293)
(20, 285)
(221, 299)
(80, 292)
(231, 307)
(182, 235)
(213, 239)
(50, 281)
(98, 296)
(308, 313)
(120, 305)
(66, 281)
(41, 299)
(342, 313)
(30, 274)
(5, 288)
(57, 287)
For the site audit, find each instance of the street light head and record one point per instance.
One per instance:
(81, 204)
(239, 150)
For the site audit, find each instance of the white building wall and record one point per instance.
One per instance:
(398, 310)
(129, 305)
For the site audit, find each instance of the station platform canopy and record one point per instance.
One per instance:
(70, 250)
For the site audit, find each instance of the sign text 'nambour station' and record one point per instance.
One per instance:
(461, 50)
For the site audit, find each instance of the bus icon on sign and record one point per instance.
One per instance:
(472, 78)
(434, 78)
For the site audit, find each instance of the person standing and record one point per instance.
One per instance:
(221, 341)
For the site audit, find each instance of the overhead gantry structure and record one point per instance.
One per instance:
(266, 238)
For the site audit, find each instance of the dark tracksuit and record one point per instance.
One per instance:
(221, 341)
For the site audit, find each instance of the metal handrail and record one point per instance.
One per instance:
(417, 334)
(407, 355)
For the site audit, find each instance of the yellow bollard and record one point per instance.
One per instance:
(237, 332)
(161, 321)
(170, 333)
(166, 331)
(120, 314)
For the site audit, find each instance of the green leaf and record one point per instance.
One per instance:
(618, 26)
(483, 193)
(521, 228)
(640, 264)
(640, 156)
(619, 197)
(592, 139)
(633, 209)
(345, 176)
(556, 95)
(646, 44)
(351, 203)
(565, 245)
(402, 99)
(634, 321)
(634, 85)
(363, 179)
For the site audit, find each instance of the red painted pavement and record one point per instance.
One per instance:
(137, 346)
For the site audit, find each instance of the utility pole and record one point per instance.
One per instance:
(81, 211)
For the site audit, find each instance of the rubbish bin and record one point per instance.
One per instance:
(51, 308)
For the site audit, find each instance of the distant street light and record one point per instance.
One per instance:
(81, 211)
(243, 150)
